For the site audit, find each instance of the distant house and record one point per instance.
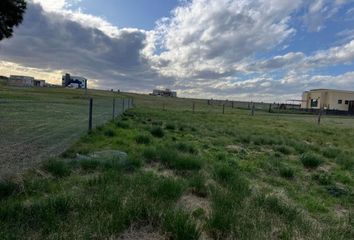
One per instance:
(20, 81)
(328, 99)
(74, 81)
(164, 93)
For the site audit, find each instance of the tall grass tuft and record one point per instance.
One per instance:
(311, 160)
(57, 168)
(180, 226)
(157, 131)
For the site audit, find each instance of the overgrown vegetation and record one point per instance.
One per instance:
(190, 176)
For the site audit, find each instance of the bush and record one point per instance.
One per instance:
(142, 139)
(57, 168)
(311, 160)
(157, 132)
(286, 172)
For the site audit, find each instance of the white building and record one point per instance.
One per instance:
(328, 99)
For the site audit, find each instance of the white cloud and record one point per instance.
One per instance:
(205, 37)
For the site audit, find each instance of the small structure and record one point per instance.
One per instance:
(164, 93)
(74, 81)
(20, 81)
(328, 99)
(38, 83)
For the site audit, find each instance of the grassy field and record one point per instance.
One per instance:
(36, 123)
(175, 174)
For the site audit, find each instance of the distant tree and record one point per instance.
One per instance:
(11, 15)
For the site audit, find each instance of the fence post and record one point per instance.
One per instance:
(252, 111)
(223, 108)
(319, 117)
(114, 109)
(90, 115)
(193, 107)
(270, 108)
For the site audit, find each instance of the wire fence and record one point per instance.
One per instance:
(34, 130)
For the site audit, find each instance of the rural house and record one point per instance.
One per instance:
(328, 99)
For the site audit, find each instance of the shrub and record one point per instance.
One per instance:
(286, 172)
(180, 225)
(157, 132)
(142, 139)
(57, 168)
(311, 160)
(331, 152)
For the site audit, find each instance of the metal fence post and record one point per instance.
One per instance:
(114, 109)
(252, 112)
(90, 115)
(319, 117)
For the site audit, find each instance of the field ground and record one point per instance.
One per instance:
(174, 174)
(36, 123)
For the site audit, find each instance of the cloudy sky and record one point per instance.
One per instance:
(260, 50)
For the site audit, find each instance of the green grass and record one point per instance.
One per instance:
(187, 175)
(311, 160)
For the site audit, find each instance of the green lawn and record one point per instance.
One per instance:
(175, 174)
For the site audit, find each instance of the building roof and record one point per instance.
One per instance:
(330, 90)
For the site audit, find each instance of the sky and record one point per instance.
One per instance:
(250, 50)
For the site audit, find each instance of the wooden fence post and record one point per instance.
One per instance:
(90, 115)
